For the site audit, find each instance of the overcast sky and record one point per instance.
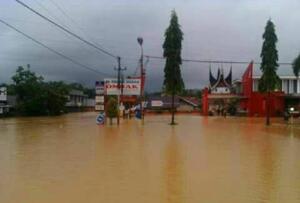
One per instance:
(213, 29)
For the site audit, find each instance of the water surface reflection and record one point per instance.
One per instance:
(70, 159)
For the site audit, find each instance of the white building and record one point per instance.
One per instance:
(289, 84)
(4, 108)
(77, 100)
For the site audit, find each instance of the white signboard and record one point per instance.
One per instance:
(99, 107)
(130, 87)
(156, 103)
(99, 90)
(3, 94)
(99, 99)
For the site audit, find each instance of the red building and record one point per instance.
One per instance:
(252, 103)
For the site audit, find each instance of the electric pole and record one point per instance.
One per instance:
(120, 86)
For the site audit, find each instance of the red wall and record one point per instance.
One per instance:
(205, 102)
(257, 104)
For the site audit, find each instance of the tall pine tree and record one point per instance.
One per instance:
(173, 82)
(269, 80)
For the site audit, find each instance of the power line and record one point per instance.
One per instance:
(74, 23)
(213, 61)
(49, 12)
(65, 14)
(66, 30)
(52, 50)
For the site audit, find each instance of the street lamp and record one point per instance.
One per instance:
(140, 41)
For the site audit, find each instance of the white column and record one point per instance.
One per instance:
(284, 86)
(291, 87)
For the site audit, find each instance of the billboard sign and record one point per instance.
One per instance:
(156, 103)
(130, 86)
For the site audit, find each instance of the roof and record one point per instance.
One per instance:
(74, 92)
(283, 71)
(220, 80)
(191, 100)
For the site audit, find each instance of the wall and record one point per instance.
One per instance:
(258, 101)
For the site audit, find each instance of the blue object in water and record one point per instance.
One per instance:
(100, 119)
(138, 114)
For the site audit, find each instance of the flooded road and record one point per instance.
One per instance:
(70, 159)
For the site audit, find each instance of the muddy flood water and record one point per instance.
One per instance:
(69, 159)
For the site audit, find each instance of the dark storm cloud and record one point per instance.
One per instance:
(217, 29)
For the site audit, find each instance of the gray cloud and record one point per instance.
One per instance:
(216, 29)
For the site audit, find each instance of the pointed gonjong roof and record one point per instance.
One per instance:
(220, 81)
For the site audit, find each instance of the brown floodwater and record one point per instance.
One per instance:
(70, 159)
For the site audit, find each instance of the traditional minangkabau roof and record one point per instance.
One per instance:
(220, 81)
(213, 80)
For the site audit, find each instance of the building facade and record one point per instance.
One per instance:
(290, 85)
(249, 99)
(219, 96)
(78, 101)
(4, 107)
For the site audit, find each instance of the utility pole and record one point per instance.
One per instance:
(120, 86)
(140, 41)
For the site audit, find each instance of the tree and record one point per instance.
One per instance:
(56, 97)
(173, 82)
(269, 80)
(28, 88)
(36, 97)
(112, 109)
(296, 66)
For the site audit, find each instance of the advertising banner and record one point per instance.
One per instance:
(130, 86)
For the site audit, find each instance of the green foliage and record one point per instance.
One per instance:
(269, 55)
(191, 93)
(30, 95)
(36, 97)
(173, 82)
(296, 66)
(76, 86)
(112, 108)
(56, 97)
